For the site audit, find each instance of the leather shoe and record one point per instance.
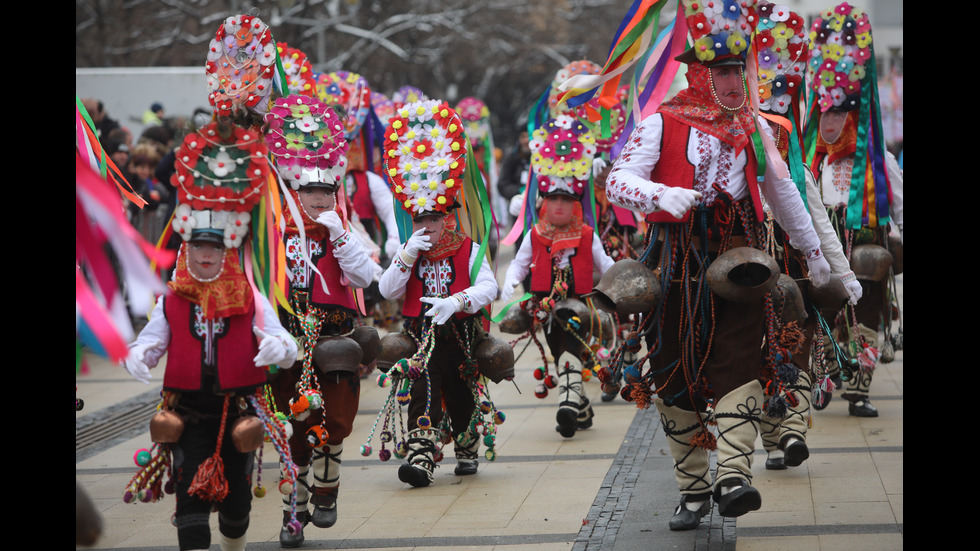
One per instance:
(323, 517)
(775, 463)
(862, 408)
(686, 519)
(416, 476)
(466, 466)
(739, 501)
(567, 421)
(287, 539)
(609, 396)
(795, 454)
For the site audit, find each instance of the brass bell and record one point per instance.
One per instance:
(628, 287)
(742, 274)
(516, 321)
(898, 254)
(790, 299)
(871, 262)
(370, 342)
(247, 433)
(495, 358)
(337, 354)
(394, 347)
(829, 298)
(166, 426)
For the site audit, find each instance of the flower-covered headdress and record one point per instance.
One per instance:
(425, 157)
(781, 42)
(241, 65)
(561, 156)
(840, 50)
(844, 77)
(299, 72)
(721, 30)
(220, 175)
(352, 92)
(476, 117)
(307, 139)
(579, 67)
(221, 172)
(383, 107)
(407, 94)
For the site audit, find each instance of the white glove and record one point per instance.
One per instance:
(376, 271)
(271, 349)
(508, 291)
(135, 362)
(417, 243)
(442, 308)
(854, 290)
(334, 224)
(598, 164)
(676, 201)
(819, 270)
(516, 202)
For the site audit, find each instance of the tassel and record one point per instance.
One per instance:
(787, 373)
(704, 439)
(776, 407)
(867, 358)
(791, 337)
(209, 482)
(641, 394)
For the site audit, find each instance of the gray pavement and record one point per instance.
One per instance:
(610, 487)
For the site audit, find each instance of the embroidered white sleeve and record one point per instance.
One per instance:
(628, 184)
(484, 290)
(521, 265)
(158, 330)
(829, 241)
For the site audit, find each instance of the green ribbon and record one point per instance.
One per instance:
(507, 307)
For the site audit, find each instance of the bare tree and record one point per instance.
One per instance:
(503, 51)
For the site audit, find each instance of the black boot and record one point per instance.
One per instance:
(288, 539)
(686, 519)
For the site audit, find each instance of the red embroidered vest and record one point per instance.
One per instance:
(363, 205)
(340, 294)
(459, 265)
(675, 170)
(581, 262)
(234, 349)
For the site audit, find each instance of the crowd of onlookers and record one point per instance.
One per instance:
(147, 162)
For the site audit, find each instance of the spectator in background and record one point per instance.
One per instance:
(154, 115)
(103, 124)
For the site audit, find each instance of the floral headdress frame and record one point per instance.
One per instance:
(221, 171)
(241, 65)
(383, 107)
(561, 156)
(579, 67)
(351, 91)
(425, 157)
(721, 29)
(299, 72)
(407, 94)
(782, 45)
(840, 50)
(307, 139)
(476, 117)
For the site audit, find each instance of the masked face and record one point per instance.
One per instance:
(728, 86)
(317, 200)
(434, 224)
(204, 259)
(832, 124)
(559, 210)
